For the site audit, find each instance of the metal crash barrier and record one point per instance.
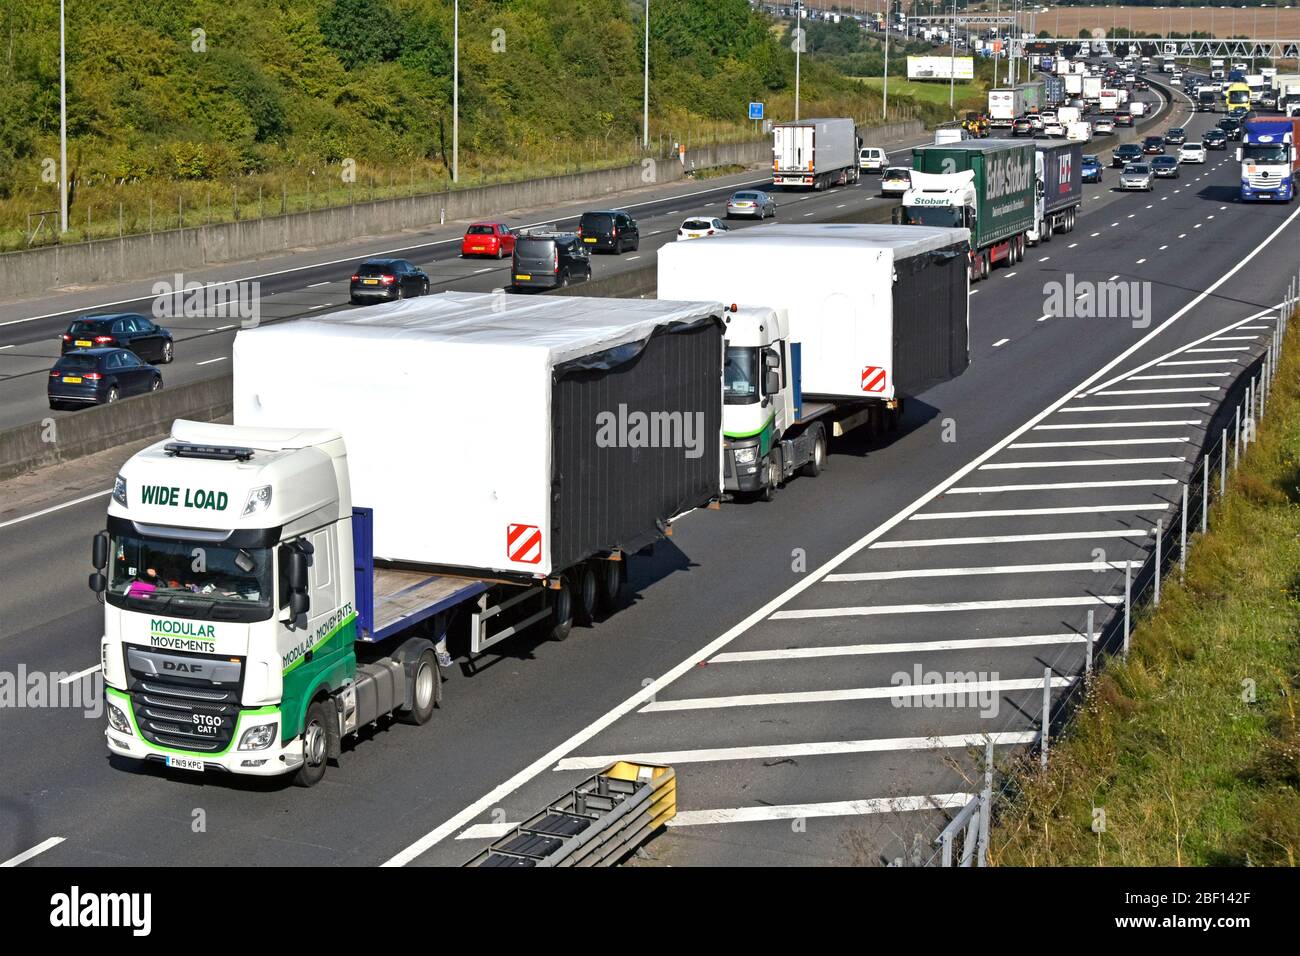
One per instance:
(597, 823)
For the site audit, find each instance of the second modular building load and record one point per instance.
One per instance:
(879, 311)
(498, 434)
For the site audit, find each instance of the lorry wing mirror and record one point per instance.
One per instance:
(299, 604)
(297, 573)
(771, 359)
(98, 583)
(99, 550)
(772, 381)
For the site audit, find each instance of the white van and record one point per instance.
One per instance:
(872, 159)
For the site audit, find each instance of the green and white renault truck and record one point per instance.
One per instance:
(274, 585)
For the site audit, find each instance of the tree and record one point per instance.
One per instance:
(360, 32)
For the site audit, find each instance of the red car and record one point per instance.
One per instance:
(488, 239)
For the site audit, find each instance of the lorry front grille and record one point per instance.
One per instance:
(182, 712)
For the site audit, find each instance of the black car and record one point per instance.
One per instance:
(99, 376)
(1125, 154)
(1176, 136)
(1215, 139)
(383, 280)
(1153, 145)
(1231, 128)
(1165, 167)
(549, 260)
(609, 230)
(127, 330)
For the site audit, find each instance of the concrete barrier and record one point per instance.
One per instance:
(39, 270)
(52, 440)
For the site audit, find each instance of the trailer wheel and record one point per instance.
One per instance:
(817, 463)
(315, 745)
(587, 590)
(424, 696)
(561, 611)
(613, 585)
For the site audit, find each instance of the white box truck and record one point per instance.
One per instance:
(815, 153)
(852, 317)
(273, 585)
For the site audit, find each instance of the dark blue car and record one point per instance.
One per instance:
(127, 330)
(99, 376)
(1092, 169)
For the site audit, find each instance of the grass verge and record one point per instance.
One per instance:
(1189, 753)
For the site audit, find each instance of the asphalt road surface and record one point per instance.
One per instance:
(764, 643)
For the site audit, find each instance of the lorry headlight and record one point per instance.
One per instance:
(259, 499)
(746, 456)
(117, 719)
(119, 490)
(257, 738)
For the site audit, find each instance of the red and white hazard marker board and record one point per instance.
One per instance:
(524, 543)
(873, 379)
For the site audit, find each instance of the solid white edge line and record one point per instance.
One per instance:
(461, 818)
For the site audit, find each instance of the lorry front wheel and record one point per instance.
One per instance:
(817, 463)
(315, 745)
(424, 693)
(561, 611)
(773, 477)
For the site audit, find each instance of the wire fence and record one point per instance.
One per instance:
(964, 841)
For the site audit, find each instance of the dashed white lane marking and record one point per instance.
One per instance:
(1197, 226)
(1071, 245)
(807, 214)
(817, 748)
(805, 811)
(1010, 538)
(317, 285)
(1000, 342)
(1044, 259)
(889, 692)
(1140, 261)
(34, 851)
(1035, 512)
(1004, 466)
(855, 577)
(1058, 485)
(483, 270)
(1162, 248)
(1094, 235)
(73, 678)
(631, 258)
(902, 647)
(220, 358)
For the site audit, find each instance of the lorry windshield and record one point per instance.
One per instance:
(947, 216)
(190, 579)
(1266, 153)
(740, 375)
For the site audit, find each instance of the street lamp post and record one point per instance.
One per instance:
(645, 108)
(455, 95)
(952, 58)
(798, 48)
(63, 126)
(884, 108)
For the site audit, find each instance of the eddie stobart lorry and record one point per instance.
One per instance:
(989, 187)
(274, 585)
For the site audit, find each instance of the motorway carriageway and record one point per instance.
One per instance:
(762, 683)
(316, 283)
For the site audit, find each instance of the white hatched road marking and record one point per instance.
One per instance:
(1134, 408)
(902, 647)
(891, 692)
(1164, 424)
(942, 607)
(37, 850)
(1053, 485)
(1084, 463)
(816, 748)
(1010, 539)
(1034, 512)
(856, 576)
(804, 811)
(1101, 442)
